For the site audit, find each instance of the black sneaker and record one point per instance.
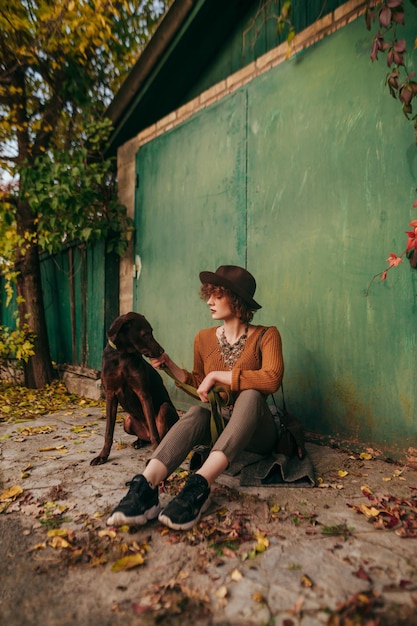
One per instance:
(139, 505)
(184, 511)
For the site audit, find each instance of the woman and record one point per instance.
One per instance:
(244, 359)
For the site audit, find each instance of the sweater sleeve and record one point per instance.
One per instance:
(268, 378)
(195, 377)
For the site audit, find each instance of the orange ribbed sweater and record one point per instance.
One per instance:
(248, 372)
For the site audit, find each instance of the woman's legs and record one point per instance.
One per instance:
(191, 430)
(141, 503)
(250, 427)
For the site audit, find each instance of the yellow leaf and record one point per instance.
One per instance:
(124, 529)
(387, 479)
(57, 532)
(342, 473)
(369, 511)
(128, 562)
(38, 546)
(263, 542)
(306, 581)
(107, 533)
(365, 455)
(366, 490)
(258, 597)
(222, 592)
(236, 575)
(12, 493)
(59, 543)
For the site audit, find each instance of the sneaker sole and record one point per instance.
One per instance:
(186, 525)
(120, 519)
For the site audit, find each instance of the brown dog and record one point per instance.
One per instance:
(131, 381)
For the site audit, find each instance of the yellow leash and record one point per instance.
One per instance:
(215, 399)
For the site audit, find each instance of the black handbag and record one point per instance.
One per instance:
(291, 439)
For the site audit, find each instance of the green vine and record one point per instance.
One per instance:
(389, 14)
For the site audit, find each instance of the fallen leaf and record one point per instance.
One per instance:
(258, 597)
(128, 562)
(306, 581)
(107, 532)
(236, 575)
(369, 511)
(342, 473)
(263, 542)
(222, 592)
(363, 575)
(12, 493)
(59, 543)
(57, 532)
(38, 546)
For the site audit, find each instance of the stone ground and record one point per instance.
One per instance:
(343, 552)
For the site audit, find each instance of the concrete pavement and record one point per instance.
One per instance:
(341, 551)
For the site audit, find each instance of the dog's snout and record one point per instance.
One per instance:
(154, 352)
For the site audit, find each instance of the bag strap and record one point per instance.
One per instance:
(258, 345)
(215, 399)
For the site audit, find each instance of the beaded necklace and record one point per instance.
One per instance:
(231, 353)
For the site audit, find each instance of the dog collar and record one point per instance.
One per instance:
(113, 345)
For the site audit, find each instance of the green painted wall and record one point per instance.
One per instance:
(307, 176)
(331, 173)
(190, 213)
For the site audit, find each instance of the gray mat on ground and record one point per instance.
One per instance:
(275, 470)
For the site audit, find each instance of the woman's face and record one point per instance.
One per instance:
(220, 307)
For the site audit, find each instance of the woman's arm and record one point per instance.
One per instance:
(211, 380)
(267, 379)
(165, 360)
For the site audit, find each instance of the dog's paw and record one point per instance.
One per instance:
(139, 443)
(98, 460)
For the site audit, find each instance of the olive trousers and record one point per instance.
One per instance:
(249, 426)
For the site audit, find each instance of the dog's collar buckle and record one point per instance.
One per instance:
(112, 345)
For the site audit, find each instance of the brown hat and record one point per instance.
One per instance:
(235, 278)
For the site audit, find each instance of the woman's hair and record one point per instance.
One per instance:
(239, 307)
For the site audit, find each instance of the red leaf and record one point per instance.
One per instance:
(394, 260)
(363, 575)
(385, 17)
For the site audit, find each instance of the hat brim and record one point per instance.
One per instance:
(214, 279)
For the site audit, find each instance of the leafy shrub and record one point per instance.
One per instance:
(16, 346)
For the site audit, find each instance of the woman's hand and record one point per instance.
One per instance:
(165, 361)
(211, 380)
(160, 361)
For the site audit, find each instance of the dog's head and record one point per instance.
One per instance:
(133, 333)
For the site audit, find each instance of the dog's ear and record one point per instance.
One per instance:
(118, 323)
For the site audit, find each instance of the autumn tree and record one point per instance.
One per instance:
(60, 65)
